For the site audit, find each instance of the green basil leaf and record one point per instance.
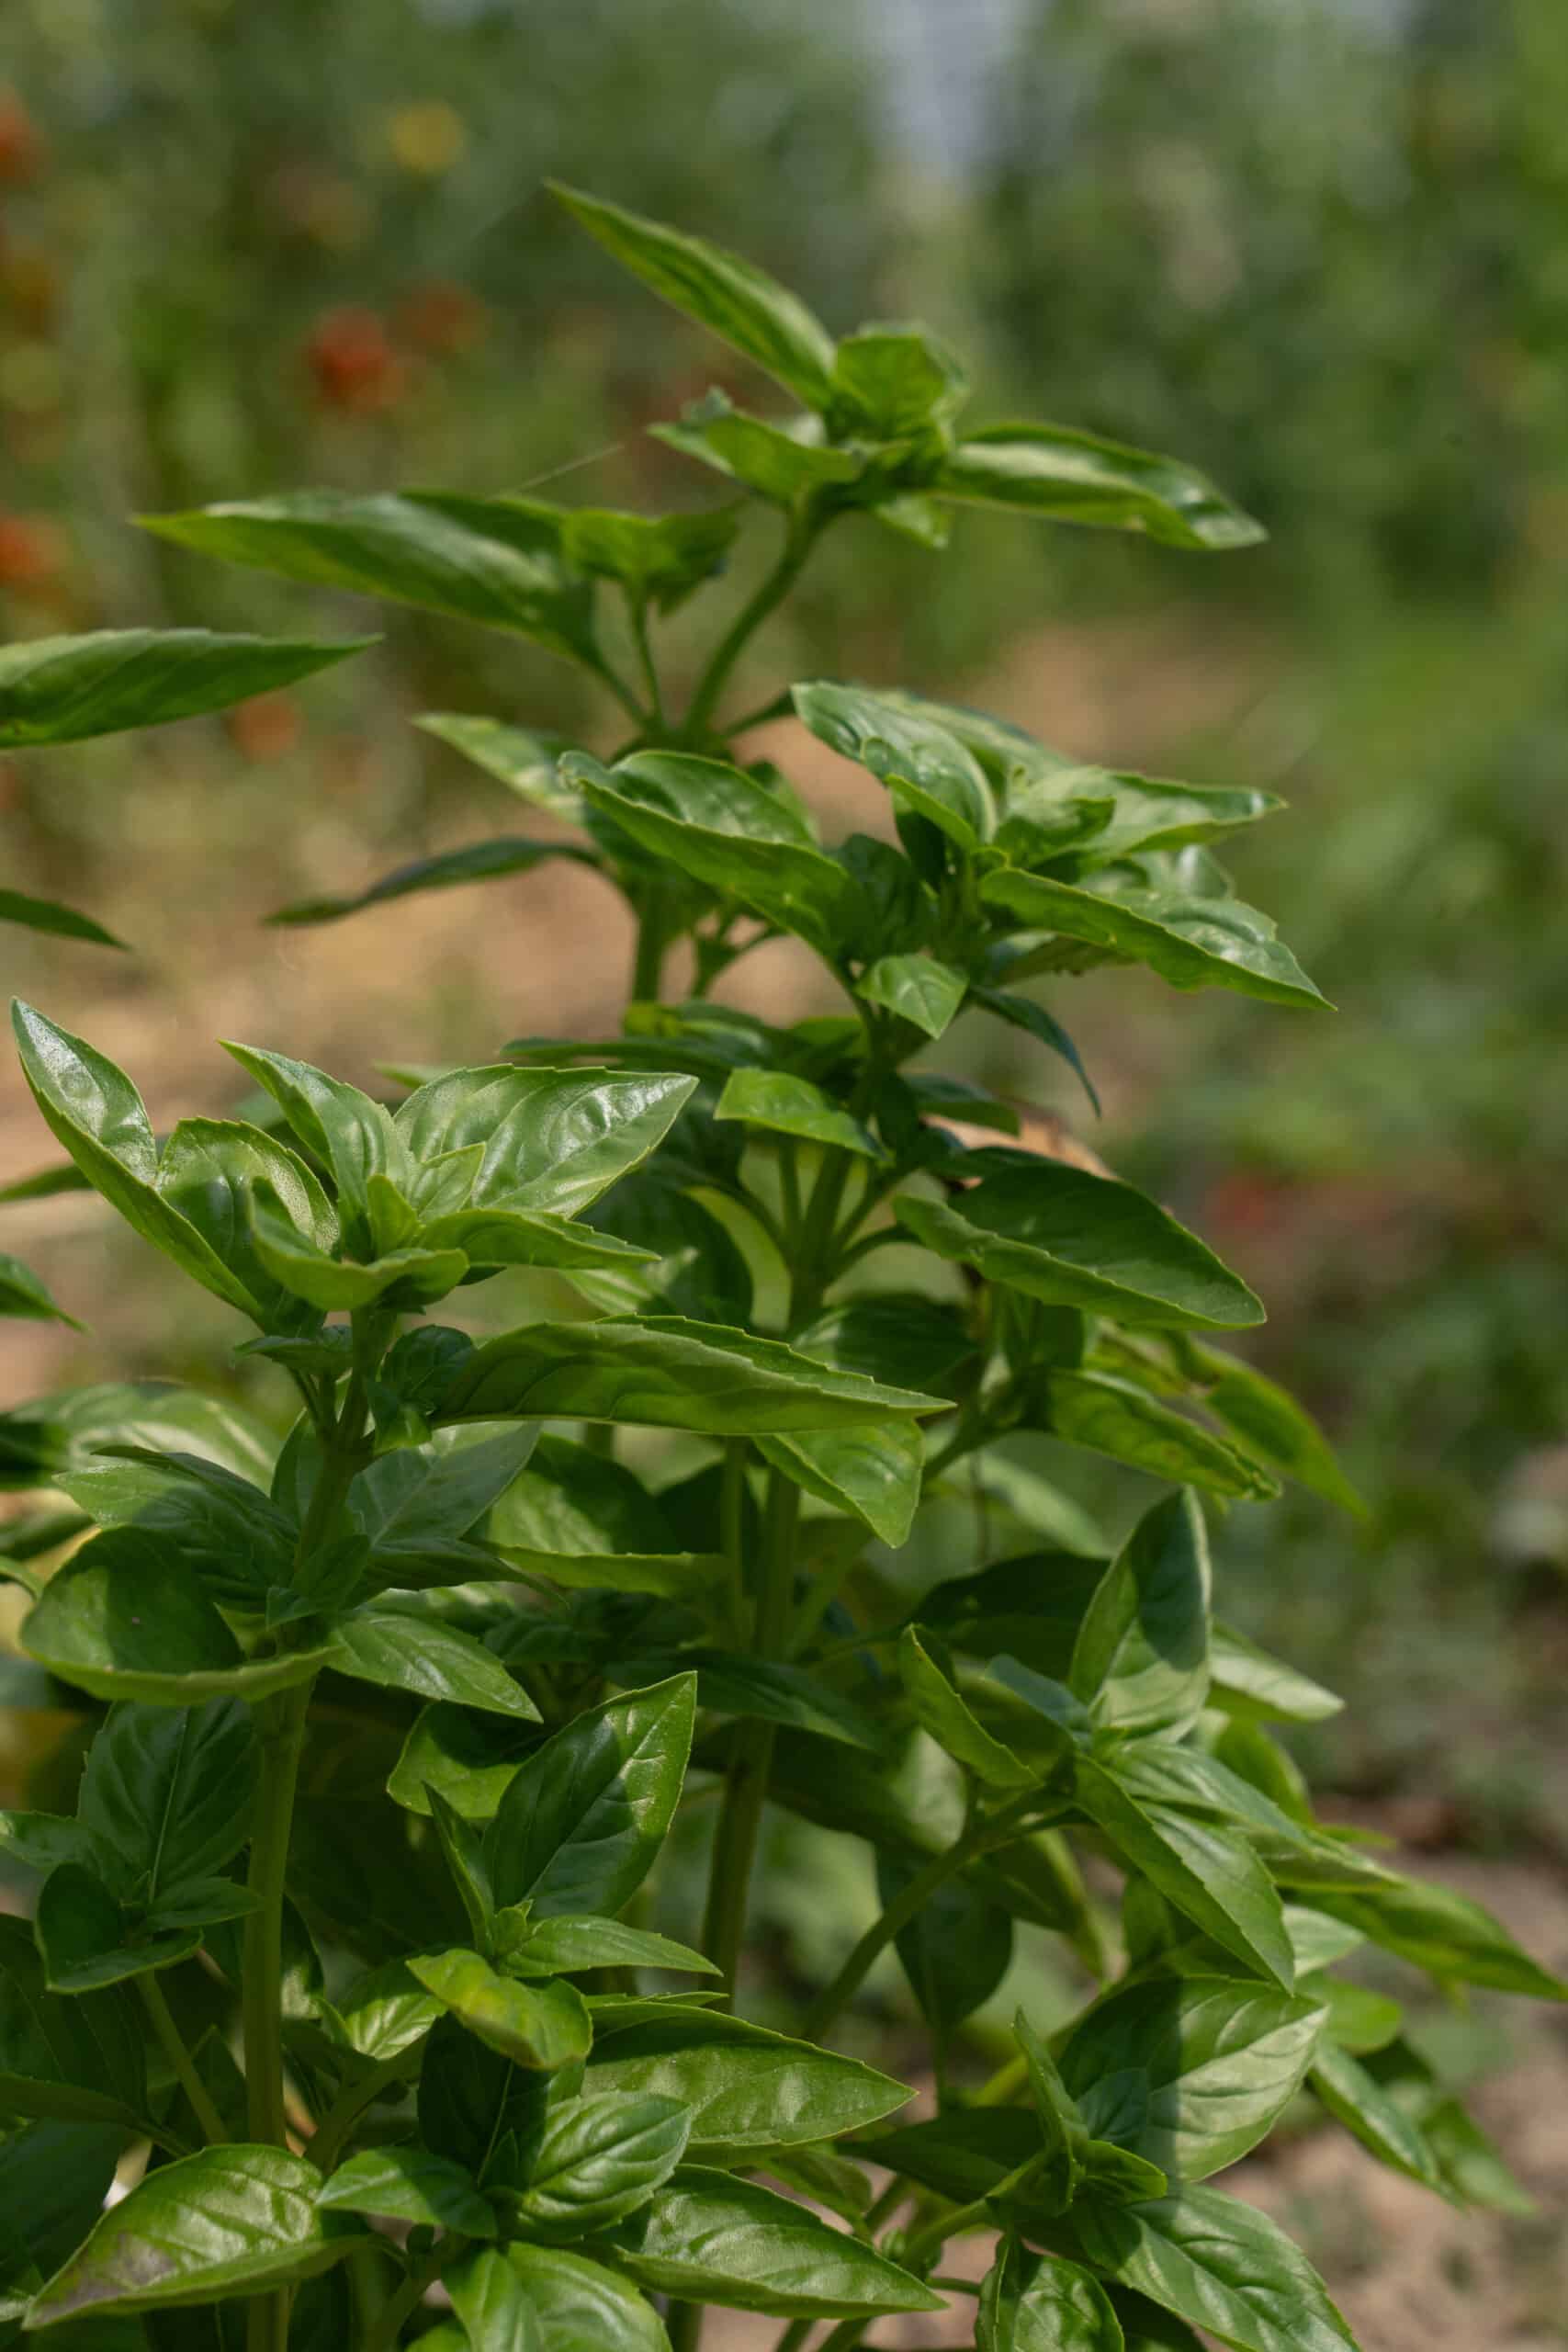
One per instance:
(39, 1841)
(408, 2185)
(92, 1108)
(1030, 1609)
(57, 921)
(751, 312)
(519, 757)
(656, 558)
(553, 1140)
(929, 771)
(489, 861)
(230, 2221)
(1443, 1933)
(745, 2087)
(734, 1683)
(540, 2027)
(468, 1759)
(1191, 940)
(1064, 2139)
(565, 1944)
(895, 379)
(1060, 1234)
(1207, 1872)
(584, 1817)
(1151, 812)
(600, 2158)
(1113, 1417)
(709, 2238)
(893, 1337)
(475, 2106)
(583, 1521)
(466, 558)
(79, 2058)
(921, 991)
(1069, 477)
(87, 1941)
(1250, 1684)
(942, 1711)
(54, 2178)
(336, 1286)
(417, 1497)
(209, 1172)
(1357, 2100)
(64, 1432)
(581, 2307)
(1023, 1012)
(664, 1372)
(226, 1530)
(727, 831)
(1359, 2021)
(780, 463)
(27, 1296)
(873, 1471)
(61, 689)
(126, 1620)
(954, 1952)
(492, 2303)
(1200, 2067)
(792, 1106)
(1141, 1660)
(964, 2154)
(166, 1793)
(402, 1651)
(1270, 1423)
(1033, 2302)
(1218, 2264)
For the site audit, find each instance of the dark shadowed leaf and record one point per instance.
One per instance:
(489, 861)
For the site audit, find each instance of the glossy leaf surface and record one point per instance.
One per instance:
(708, 2237)
(59, 689)
(230, 2221)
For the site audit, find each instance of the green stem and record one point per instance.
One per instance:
(993, 1830)
(646, 662)
(180, 2059)
(280, 1729)
(408, 2298)
(327, 2140)
(648, 957)
(684, 2325)
(746, 1783)
(281, 1722)
(799, 540)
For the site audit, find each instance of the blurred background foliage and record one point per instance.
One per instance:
(1315, 246)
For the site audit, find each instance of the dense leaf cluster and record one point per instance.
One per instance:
(402, 1703)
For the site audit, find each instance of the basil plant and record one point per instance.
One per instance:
(342, 1961)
